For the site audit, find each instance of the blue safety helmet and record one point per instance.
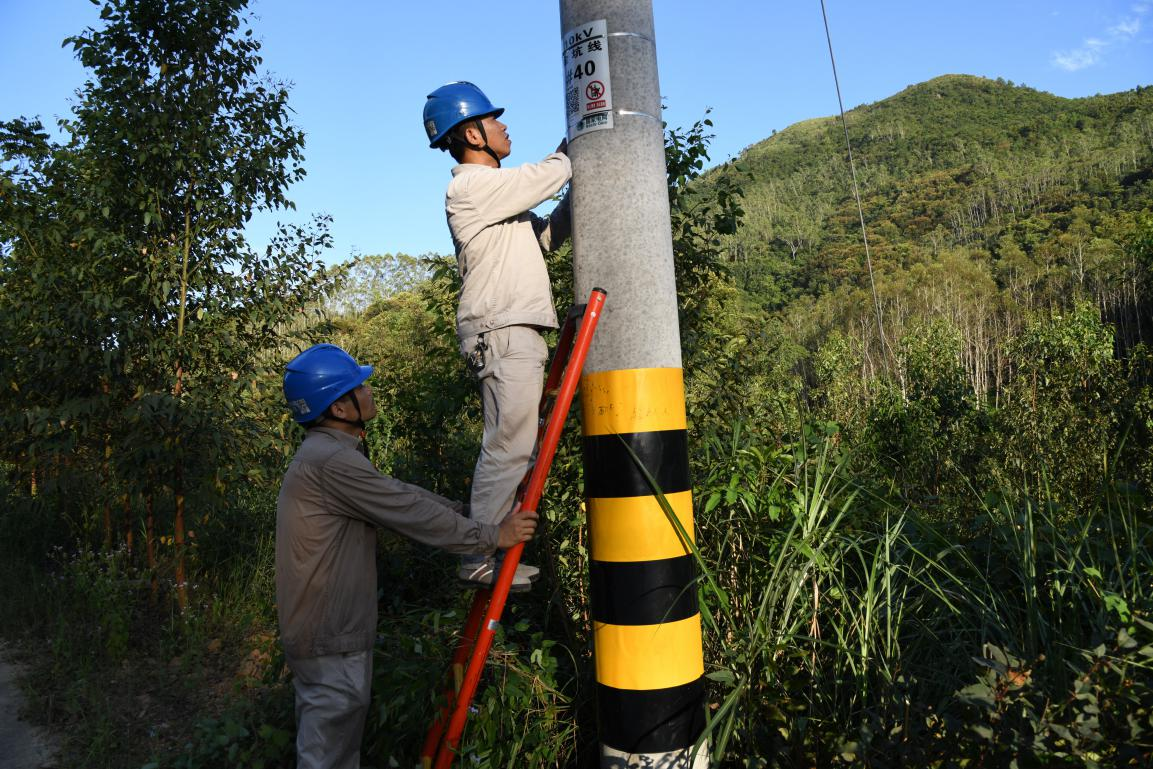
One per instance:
(316, 378)
(452, 104)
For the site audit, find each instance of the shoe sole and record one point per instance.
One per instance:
(470, 585)
(459, 578)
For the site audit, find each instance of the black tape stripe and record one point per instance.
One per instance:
(611, 471)
(643, 592)
(651, 721)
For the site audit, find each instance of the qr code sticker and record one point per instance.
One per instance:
(572, 100)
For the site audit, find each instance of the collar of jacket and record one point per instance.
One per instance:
(350, 440)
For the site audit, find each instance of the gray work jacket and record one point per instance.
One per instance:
(331, 501)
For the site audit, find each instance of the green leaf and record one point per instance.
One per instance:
(722, 676)
(977, 694)
(984, 731)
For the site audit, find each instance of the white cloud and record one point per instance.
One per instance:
(1126, 29)
(1093, 50)
(1075, 60)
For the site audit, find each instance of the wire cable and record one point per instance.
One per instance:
(856, 190)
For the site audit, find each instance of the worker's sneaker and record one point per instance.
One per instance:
(528, 572)
(484, 573)
(523, 570)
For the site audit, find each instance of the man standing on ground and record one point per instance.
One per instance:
(331, 502)
(505, 299)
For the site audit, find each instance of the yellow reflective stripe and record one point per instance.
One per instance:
(634, 400)
(637, 529)
(643, 657)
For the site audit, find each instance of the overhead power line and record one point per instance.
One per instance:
(856, 189)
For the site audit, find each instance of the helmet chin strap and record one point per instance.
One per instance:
(484, 147)
(358, 422)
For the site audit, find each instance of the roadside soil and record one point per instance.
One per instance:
(133, 711)
(23, 745)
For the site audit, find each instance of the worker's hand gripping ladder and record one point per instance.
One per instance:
(484, 617)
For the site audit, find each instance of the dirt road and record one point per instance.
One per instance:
(22, 746)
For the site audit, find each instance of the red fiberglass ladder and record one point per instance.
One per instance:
(484, 617)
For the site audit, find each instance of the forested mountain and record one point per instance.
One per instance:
(982, 201)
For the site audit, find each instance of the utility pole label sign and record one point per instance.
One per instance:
(588, 98)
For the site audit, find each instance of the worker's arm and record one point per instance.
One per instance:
(553, 230)
(498, 194)
(452, 504)
(358, 489)
(518, 526)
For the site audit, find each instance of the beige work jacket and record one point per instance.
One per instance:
(499, 242)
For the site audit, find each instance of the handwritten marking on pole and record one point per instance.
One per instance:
(587, 85)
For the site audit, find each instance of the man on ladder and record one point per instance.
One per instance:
(505, 300)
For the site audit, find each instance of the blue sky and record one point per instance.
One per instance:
(361, 70)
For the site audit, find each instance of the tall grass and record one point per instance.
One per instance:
(841, 628)
(844, 629)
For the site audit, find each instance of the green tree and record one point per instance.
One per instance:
(377, 277)
(429, 418)
(128, 241)
(1058, 427)
(921, 437)
(701, 216)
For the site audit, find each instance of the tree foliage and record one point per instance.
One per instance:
(144, 328)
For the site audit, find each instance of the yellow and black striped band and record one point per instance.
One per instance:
(646, 620)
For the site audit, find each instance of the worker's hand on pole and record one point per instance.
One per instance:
(562, 148)
(518, 527)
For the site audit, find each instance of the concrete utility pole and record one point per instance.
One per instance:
(647, 629)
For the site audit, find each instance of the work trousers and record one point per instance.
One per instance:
(332, 696)
(509, 365)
